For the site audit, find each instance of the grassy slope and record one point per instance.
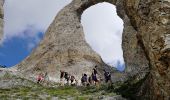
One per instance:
(30, 90)
(39, 92)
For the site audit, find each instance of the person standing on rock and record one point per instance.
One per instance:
(62, 74)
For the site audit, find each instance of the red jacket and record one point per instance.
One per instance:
(40, 77)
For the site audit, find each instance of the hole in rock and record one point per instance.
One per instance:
(103, 30)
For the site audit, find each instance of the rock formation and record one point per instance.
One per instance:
(151, 20)
(1, 19)
(146, 46)
(63, 48)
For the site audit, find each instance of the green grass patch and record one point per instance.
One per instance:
(83, 98)
(63, 91)
(35, 92)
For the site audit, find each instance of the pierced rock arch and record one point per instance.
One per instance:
(145, 44)
(131, 48)
(66, 32)
(103, 30)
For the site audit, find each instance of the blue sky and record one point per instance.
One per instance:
(16, 49)
(27, 20)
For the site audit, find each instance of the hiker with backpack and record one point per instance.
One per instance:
(62, 74)
(94, 79)
(107, 76)
(94, 75)
(84, 79)
(67, 77)
(73, 80)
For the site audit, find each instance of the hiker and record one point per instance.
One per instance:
(73, 80)
(40, 78)
(107, 76)
(62, 74)
(94, 78)
(84, 79)
(67, 77)
(95, 70)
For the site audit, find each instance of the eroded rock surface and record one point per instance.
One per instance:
(151, 19)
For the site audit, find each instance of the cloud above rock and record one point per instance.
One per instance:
(23, 14)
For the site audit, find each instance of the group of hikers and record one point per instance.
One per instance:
(86, 80)
(66, 78)
(92, 79)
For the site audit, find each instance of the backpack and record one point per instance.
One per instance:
(66, 75)
(84, 79)
(108, 75)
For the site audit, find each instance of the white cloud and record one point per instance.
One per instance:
(26, 18)
(21, 14)
(32, 36)
(103, 31)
